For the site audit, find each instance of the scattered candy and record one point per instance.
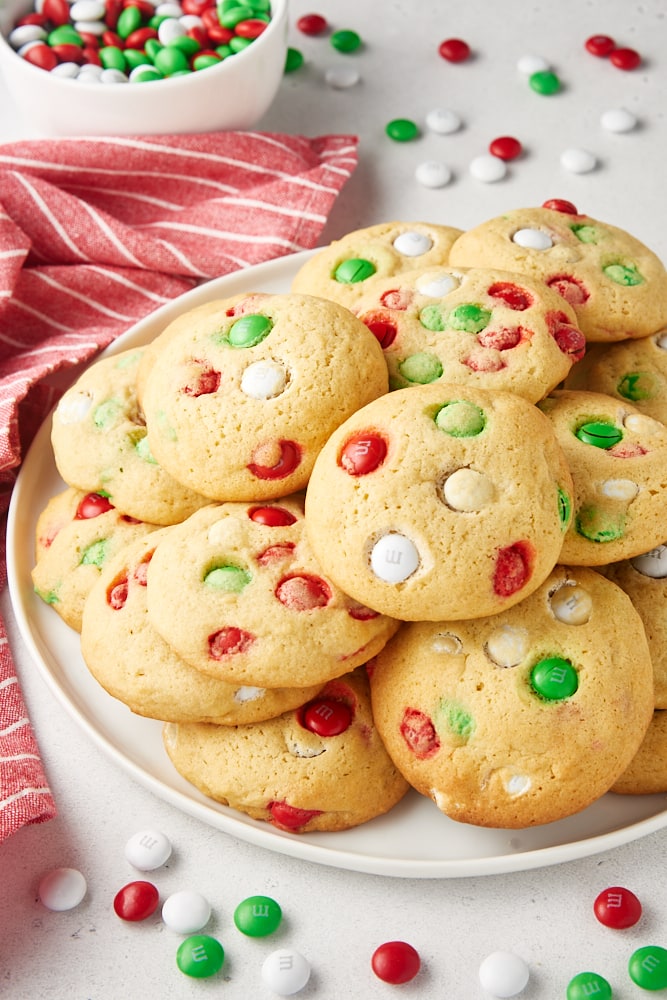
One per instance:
(544, 82)
(285, 972)
(488, 168)
(586, 985)
(617, 907)
(433, 174)
(600, 45)
(147, 850)
(506, 147)
(625, 59)
(312, 24)
(346, 41)
(503, 974)
(258, 916)
(293, 60)
(531, 64)
(402, 130)
(186, 911)
(618, 120)
(342, 77)
(62, 889)
(648, 967)
(136, 901)
(454, 50)
(395, 962)
(200, 956)
(443, 121)
(578, 161)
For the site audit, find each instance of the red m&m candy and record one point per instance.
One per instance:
(617, 907)
(395, 962)
(136, 901)
(454, 50)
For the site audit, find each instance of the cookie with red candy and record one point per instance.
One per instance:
(348, 268)
(320, 767)
(524, 717)
(237, 592)
(77, 533)
(132, 662)
(473, 326)
(240, 394)
(616, 455)
(616, 285)
(440, 501)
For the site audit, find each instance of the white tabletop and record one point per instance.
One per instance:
(333, 916)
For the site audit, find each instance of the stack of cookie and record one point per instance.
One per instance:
(341, 540)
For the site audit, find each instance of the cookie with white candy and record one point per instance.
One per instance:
(616, 285)
(440, 501)
(617, 456)
(321, 767)
(473, 326)
(524, 717)
(349, 267)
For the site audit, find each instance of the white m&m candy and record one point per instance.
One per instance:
(62, 889)
(503, 974)
(148, 850)
(285, 972)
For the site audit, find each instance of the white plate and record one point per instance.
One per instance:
(414, 840)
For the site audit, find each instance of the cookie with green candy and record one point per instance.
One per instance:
(525, 717)
(616, 285)
(349, 267)
(473, 326)
(98, 434)
(440, 501)
(617, 457)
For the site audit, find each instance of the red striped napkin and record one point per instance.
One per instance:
(96, 233)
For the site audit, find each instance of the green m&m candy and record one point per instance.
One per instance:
(250, 330)
(554, 678)
(648, 967)
(230, 579)
(460, 419)
(200, 956)
(355, 269)
(586, 985)
(599, 433)
(258, 916)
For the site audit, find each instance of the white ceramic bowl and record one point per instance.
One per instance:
(233, 95)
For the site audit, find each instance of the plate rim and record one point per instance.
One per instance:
(246, 829)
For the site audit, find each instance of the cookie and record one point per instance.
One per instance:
(616, 285)
(634, 371)
(349, 267)
(644, 580)
(99, 444)
(237, 592)
(63, 508)
(69, 563)
(646, 774)
(440, 501)
(322, 767)
(618, 460)
(131, 661)
(522, 718)
(239, 401)
(473, 326)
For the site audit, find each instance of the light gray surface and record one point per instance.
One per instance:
(337, 918)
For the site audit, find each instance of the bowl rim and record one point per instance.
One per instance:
(278, 21)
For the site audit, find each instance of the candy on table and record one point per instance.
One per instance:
(578, 161)
(136, 901)
(62, 889)
(433, 173)
(588, 984)
(147, 850)
(402, 129)
(618, 120)
(186, 911)
(488, 168)
(503, 974)
(544, 82)
(648, 967)
(285, 972)
(443, 121)
(257, 916)
(395, 962)
(312, 24)
(200, 956)
(342, 77)
(345, 40)
(454, 50)
(617, 907)
(506, 147)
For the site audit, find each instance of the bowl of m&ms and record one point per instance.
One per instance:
(132, 67)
